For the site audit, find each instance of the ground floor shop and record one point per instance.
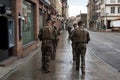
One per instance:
(18, 27)
(20, 21)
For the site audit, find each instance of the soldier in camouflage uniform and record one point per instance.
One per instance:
(55, 39)
(81, 38)
(73, 41)
(46, 36)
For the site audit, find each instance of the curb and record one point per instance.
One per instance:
(7, 71)
(93, 54)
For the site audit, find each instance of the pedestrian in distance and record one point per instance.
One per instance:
(46, 36)
(81, 38)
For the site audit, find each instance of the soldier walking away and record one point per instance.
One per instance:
(81, 38)
(55, 39)
(73, 41)
(46, 36)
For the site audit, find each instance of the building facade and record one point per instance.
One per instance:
(22, 20)
(98, 14)
(64, 8)
(110, 10)
(21, 16)
(90, 14)
(101, 12)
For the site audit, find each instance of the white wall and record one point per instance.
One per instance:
(108, 10)
(109, 2)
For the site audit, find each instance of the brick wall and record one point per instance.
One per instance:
(20, 50)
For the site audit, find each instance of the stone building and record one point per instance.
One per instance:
(110, 10)
(101, 12)
(90, 14)
(20, 21)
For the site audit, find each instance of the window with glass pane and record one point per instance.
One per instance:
(118, 9)
(27, 25)
(118, 1)
(112, 9)
(112, 1)
(102, 1)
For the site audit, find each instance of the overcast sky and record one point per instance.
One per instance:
(75, 6)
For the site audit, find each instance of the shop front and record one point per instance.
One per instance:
(18, 27)
(7, 37)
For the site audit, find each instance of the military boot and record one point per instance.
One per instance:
(83, 70)
(77, 68)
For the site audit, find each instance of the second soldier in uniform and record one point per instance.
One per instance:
(81, 38)
(46, 36)
(55, 39)
(73, 41)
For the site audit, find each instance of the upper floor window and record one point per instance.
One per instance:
(112, 9)
(118, 1)
(102, 1)
(112, 1)
(118, 9)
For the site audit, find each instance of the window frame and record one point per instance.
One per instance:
(112, 1)
(112, 10)
(118, 9)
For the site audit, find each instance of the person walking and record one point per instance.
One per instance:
(55, 39)
(81, 38)
(75, 27)
(46, 36)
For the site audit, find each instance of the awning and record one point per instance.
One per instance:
(117, 19)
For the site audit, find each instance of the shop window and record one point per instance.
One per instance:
(27, 24)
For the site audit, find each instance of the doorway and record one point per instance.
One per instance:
(6, 37)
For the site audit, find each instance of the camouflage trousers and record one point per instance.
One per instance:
(80, 51)
(53, 55)
(46, 53)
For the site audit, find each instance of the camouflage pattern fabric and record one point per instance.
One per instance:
(46, 53)
(55, 40)
(80, 51)
(80, 38)
(47, 47)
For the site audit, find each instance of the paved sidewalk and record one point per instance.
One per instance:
(63, 68)
(6, 71)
